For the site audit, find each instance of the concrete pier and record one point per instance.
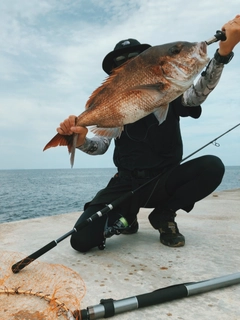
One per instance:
(135, 264)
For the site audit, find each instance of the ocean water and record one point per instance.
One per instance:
(26, 194)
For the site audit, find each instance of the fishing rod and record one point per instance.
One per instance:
(211, 142)
(219, 35)
(109, 307)
(26, 261)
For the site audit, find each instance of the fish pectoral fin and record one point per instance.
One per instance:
(161, 113)
(159, 86)
(60, 140)
(107, 132)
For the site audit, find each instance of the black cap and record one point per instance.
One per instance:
(124, 46)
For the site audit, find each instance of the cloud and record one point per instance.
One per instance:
(50, 62)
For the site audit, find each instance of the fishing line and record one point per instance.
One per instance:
(149, 121)
(141, 139)
(154, 188)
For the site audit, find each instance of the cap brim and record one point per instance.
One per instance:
(108, 60)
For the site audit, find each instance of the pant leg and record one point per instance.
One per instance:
(194, 180)
(177, 189)
(187, 184)
(92, 235)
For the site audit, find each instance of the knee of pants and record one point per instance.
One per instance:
(216, 167)
(80, 245)
(91, 235)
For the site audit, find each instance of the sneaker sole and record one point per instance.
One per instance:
(176, 245)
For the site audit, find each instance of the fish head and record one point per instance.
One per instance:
(178, 62)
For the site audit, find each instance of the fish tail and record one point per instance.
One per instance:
(60, 140)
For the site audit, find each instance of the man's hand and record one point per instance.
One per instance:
(67, 127)
(232, 31)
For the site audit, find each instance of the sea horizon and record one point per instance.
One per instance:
(29, 193)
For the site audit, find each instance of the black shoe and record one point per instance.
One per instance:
(170, 235)
(133, 228)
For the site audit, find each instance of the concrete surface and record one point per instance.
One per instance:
(135, 264)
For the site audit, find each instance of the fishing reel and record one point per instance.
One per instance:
(117, 228)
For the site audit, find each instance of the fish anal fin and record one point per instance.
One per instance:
(60, 140)
(161, 113)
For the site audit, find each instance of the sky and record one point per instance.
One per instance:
(51, 55)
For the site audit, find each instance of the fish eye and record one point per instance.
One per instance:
(175, 50)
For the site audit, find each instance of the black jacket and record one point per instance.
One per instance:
(147, 145)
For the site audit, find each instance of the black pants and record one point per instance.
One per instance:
(179, 188)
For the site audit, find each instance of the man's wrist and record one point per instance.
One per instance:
(223, 59)
(83, 145)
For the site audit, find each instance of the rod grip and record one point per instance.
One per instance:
(220, 35)
(26, 261)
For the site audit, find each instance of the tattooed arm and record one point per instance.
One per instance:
(198, 93)
(95, 146)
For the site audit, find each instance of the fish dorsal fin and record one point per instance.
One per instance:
(103, 86)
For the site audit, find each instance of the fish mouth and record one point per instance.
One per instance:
(196, 59)
(200, 53)
(202, 48)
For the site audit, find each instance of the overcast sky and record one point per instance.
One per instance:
(51, 53)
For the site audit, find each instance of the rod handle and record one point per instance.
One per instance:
(219, 35)
(26, 261)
